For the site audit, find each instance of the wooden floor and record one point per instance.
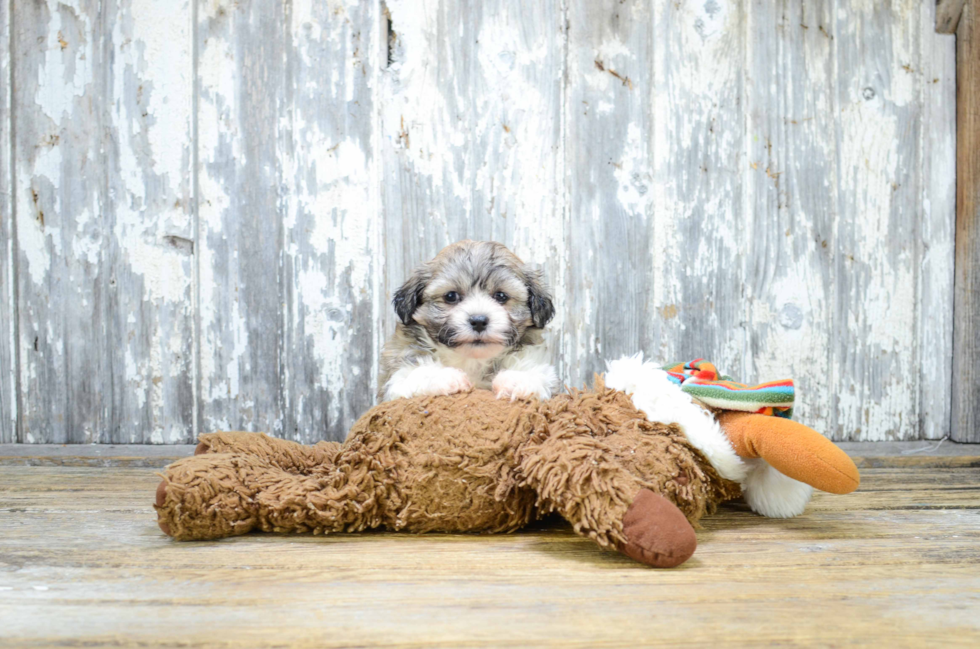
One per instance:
(82, 563)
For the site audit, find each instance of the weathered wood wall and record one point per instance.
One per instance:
(965, 420)
(8, 365)
(206, 204)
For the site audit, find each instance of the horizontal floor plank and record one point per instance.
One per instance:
(897, 562)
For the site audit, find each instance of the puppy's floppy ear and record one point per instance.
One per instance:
(409, 296)
(538, 299)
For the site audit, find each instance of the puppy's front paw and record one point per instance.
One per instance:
(515, 384)
(446, 380)
(428, 380)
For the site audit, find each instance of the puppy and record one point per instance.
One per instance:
(470, 318)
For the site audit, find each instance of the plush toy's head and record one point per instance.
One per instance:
(776, 461)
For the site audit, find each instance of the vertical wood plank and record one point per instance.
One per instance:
(875, 370)
(149, 221)
(937, 226)
(966, 340)
(471, 135)
(61, 239)
(333, 257)
(8, 311)
(240, 301)
(698, 190)
(790, 208)
(609, 162)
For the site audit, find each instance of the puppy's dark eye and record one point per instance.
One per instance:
(452, 297)
(500, 296)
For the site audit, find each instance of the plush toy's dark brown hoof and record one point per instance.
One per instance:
(657, 533)
(162, 498)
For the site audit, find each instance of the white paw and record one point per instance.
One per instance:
(515, 384)
(427, 380)
(448, 380)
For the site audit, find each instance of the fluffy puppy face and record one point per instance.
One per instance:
(475, 298)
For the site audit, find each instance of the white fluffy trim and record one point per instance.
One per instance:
(767, 491)
(770, 493)
(663, 401)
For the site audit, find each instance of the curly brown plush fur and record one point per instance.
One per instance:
(461, 463)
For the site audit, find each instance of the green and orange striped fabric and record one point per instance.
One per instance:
(702, 381)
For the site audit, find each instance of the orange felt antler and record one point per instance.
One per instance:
(792, 449)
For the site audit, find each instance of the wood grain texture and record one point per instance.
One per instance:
(654, 150)
(609, 164)
(8, 306)
(966, 337)
(288, 213)
(148, 253)
(104, 229)
(240, 83)
(471, 135)
(699, 141)
(936, 230)
(103, 455)
(332, 247)
(62, 240)
(892, 564)
(212, 213)
(791, 199)
(874, 366)
(948, 14)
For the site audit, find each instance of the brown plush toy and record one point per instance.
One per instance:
(473, 463)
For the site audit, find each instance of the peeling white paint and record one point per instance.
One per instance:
(8, 340)
(686, 184)
(633, 176)
(336, 204)
(152, 229)
(33, 240)
(67, 72)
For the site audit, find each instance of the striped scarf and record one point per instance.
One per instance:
(701, 380)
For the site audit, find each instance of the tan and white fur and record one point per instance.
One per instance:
(470, 318)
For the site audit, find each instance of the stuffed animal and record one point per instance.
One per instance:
(632, 463)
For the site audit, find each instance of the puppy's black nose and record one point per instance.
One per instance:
(479, 322)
